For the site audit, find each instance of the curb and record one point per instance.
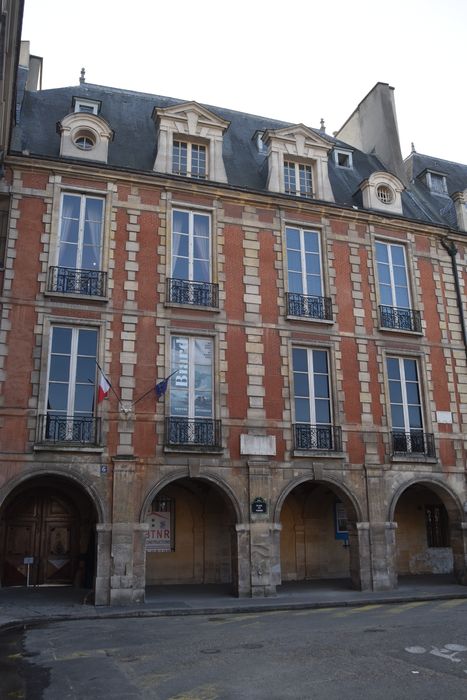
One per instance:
(112, 614)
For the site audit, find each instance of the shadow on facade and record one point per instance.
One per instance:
(47, 534)
(192, 539)
(429, 534)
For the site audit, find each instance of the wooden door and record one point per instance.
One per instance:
(43, 526)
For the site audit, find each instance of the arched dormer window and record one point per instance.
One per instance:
(382, 191)
(189, 142)
(298, 163)
(84, 135)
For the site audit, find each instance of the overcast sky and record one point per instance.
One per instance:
(297, 61)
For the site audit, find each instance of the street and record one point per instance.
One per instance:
(378, 652)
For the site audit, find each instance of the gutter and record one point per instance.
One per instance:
(452, 251)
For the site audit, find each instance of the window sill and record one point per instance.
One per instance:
(198, 449)
(77, 297)
(196, 307)
(319, 453)
(398, 331)
(411, 457)
(69, 448)
(326, 321)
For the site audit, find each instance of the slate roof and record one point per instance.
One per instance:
(133, 148)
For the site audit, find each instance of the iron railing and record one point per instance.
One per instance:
(195, 433)
(318, 437)
(67, 280)
(68, 430)
(400, 319)
(309, 306)
(197, 293)
(413, 442)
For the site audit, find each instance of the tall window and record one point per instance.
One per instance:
(406, 407)
(191, 391)
(437, 525)
(313, 415)
(71, 384)
(191, 246)
(298, 179)
(392, 275)
(81, 222)
(189, 159)
(304, 261)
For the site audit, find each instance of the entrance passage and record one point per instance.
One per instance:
(192, 538)
(315, 542)
(47, 537)
(423, 533)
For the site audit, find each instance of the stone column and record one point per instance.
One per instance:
(128, 561)
(241, 577)
(459, 551)
(359, 556)
(382, 534)
(102, 581)
(262, 553)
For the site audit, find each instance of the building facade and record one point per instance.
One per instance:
(232, 350)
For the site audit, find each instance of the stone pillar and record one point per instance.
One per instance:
(241, 577)
(128, 560)
(359, 556)
(262, 550)
(459, 551)
(382, 534)
(102, 581)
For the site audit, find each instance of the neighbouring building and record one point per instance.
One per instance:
(279, 315)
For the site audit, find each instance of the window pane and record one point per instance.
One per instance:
(91, 258)
(302, 410)
(294, 260)
(180, 221)
(397, 254)
(94, 209)
(201, 225)
(313, 264)
(402, 298)
(180, 245)
(320, 361)
(323, 413)
(321, 386)
(69, 231)
(295, 283)
(382, 252)
(301, 384)
(200, 271)
(59, 368)
(84, 399)
(384, 275)
(58, 397)
(178, 402)
(86, 370)
(386, 296)
(68, 255)
(87, 343)
(413, 395)
(293, 238)
(395, 392)
(415, 417)
(410, 369)
(201, 248)
(61, 340)
(311, 241)
(393, 368)
(180, 269)
(400, 276)
(397, 417)
(300, 362)
(314, 288)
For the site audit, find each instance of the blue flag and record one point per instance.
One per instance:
(161, 387)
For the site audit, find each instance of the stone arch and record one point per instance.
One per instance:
(202, 514)
(431, 535)
(310, 545)
(48, 523)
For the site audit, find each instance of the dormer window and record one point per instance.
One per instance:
(382, 191)
(84, 140)
(437, 183)
(189, 141)
(84, 135)
(385, 194)
(343, 159)
(189, 159)
(86, 106)
(298, 179)
(260, 144)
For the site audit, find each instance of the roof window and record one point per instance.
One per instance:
(86, 106)
(343, 159)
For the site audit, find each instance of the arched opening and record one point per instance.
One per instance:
(47, 534)
(318, 538)
(192, 537)
(427, 541)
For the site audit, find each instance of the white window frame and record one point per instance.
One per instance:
(405, 403)
(302, 232)
(80, 244)
(191, 242)
(90, 107)
(311, 395)
(439, 177)
(189, 159)
(389, 245)
(296, 167)
(71, 382)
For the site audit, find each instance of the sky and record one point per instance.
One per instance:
(298, 61)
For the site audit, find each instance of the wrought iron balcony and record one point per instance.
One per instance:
(413, 442)
(197, 434)
(68, 430)
(67, 280)
(317, 437)
(400, 319)
(308, 306)
(197, 293)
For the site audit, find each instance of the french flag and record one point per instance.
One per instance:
(104, 387)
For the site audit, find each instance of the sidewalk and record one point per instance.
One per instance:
(54, 603)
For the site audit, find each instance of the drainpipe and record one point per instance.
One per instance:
(452, 252)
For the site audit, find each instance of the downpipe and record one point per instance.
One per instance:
(452, 251)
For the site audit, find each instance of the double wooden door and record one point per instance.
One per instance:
(41, 528)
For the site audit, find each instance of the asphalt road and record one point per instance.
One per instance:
(379, 652)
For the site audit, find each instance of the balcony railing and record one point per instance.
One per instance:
(400, 319)
(318, 437)
(67, 280)
(195, 433)
(413, 442)
(68, 430)
(197, 293)
(309, 306)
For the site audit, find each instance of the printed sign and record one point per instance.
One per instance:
(159, 536)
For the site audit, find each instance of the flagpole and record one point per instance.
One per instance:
(153, 388)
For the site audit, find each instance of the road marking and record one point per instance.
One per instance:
(356, 610)
(204, 692)
(406, 606)
(234, 618)
(452, 603)
(313, 611)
